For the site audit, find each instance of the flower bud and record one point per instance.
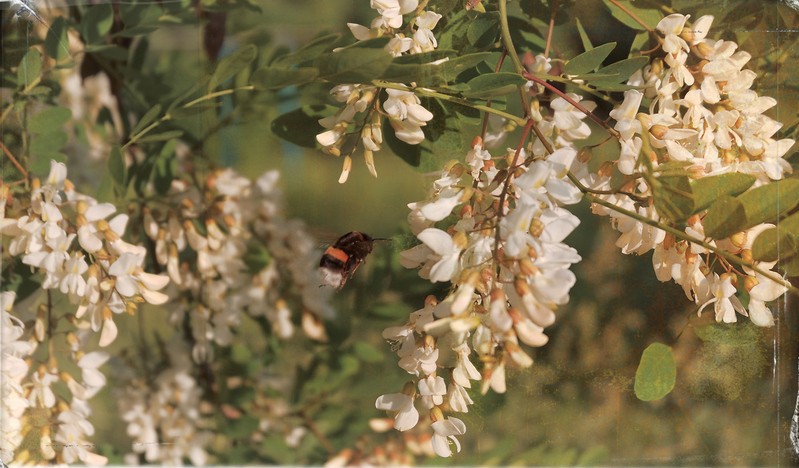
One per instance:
(658, 131)
(750, 282)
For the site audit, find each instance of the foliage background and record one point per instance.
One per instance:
(734, 397)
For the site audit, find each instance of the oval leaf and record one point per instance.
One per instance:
(709, 189)
(780, 242)
(232, 64)
(725, 217)
(589, 60)
(272, 77)
(494, 84)
(353, 65)
(656, 373)
(49, 120)
(30, 68)
(300, 126)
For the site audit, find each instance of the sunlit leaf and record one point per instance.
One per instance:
(708, 189)
(274, 78)
(656, 373)
(760, 205)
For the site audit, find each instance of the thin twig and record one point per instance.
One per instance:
(551, 28)
(14, 160)
(574, 103)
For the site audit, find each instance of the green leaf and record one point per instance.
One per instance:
(117, 167)
(309, 51)
(483, 30)
(708, 189)
(163, 136)
(353, 65)
(46, 143)
(232, 65)
(584, 36)
(301, 126)
(779, 242)
(589, 60)
(30, 68)
(274, 78)
(656, 373)
(725, 217)
(493, 84)
(55, 44)
(97, 22)
(649, 16)
(49, 120)
(447, 71)
(147, 119)
(673, 197)
(762, 204)
(623, 69)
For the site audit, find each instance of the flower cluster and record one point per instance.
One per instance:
(13, 370)
(704, 115)
(402, 107)
(504, 254)
(205, 240)
(164, 419)
(68, 238)
(232, 258)
(72, 244)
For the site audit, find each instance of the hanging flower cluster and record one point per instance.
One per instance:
(164, 418)
(205, 239)
(69, 239)
(229, 251)
(503, 252)
(704, 114)
(402, 107)
(74, 244)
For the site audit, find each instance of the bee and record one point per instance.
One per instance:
(341, 259)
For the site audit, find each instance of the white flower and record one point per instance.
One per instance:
(432, 390)
(444, 432)
(407, 414)
(446, 254)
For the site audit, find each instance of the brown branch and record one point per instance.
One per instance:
(14, 160)
(574, 103)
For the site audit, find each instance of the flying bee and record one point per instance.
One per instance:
(341, 259)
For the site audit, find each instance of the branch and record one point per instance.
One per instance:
(732, 258)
